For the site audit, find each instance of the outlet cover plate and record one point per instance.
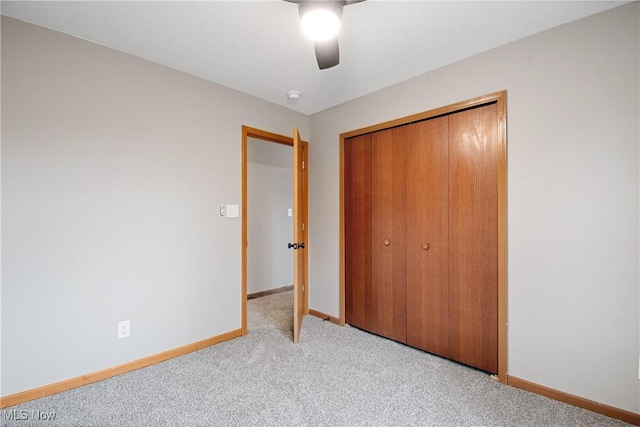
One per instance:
(124, 329)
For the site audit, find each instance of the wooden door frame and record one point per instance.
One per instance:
(249, 132)
(500, 98)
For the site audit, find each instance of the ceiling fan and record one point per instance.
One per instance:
(320, 21)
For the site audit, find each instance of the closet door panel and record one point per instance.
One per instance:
(388, 181)
(473, 258)
(427, 236)
(357, 225)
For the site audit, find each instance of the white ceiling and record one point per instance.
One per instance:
(258, 48)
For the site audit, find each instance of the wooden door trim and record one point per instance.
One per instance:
(305, 220)
(341, 319)
(250, 132)
(500, 98)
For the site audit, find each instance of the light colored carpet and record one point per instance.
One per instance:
(334, 377)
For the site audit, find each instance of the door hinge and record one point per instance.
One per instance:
(303, 164)
(303, 226)
(303, 289)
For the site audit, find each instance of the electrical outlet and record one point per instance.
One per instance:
(124, 329)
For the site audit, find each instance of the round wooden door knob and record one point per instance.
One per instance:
(387, 242)
(425, 246)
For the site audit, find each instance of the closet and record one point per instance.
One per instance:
(421, 234)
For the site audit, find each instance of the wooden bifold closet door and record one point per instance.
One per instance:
(388, 234)
(420, 221)
(427, 214)
(473, 237)
(357, 220)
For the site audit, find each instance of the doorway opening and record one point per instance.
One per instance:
(270, 226)
(268, 190)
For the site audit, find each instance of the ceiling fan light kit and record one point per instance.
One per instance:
(320, 21)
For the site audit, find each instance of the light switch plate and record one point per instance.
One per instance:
(233, 211)
(290, 212)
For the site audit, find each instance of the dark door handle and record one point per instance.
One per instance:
(295, 246)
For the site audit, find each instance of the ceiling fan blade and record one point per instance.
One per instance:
(327, 53)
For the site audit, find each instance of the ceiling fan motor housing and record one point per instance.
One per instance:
(305, 7)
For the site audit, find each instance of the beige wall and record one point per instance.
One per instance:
(573, 194)
(113, 170)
